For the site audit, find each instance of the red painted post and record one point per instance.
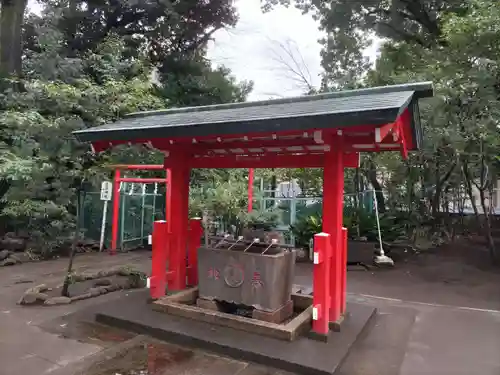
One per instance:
(250, 189)
(344, 271)
(195, 233)
(321, 283)
(333, 196)
(159, 259)
(116, 212)
(177, 222)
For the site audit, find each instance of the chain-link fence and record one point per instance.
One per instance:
(143, 203)
(140, 205)
(293, 209)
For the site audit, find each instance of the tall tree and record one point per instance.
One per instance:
(11, 21)
(155, 28)
(349, 26)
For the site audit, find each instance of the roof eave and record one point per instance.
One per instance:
(269, 125)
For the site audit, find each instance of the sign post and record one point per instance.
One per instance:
(106, 195)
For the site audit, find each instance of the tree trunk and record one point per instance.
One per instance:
(410, 188)
(440, 183)
(273, 183)
(371, 174)
(11, 22)
(468, 189)
(76, 237)
(487, 228)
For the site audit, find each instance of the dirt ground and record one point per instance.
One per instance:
(438, 313)
(459, 274)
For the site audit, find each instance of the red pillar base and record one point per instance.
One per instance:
(195, 233)
(343, 265)
(321, 284)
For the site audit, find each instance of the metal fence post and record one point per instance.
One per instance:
(122, 218)
(142, 212)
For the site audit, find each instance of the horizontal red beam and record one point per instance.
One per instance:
(348, 146)
(143, 180)
(266, 161)
(138, 166)
(200, 148)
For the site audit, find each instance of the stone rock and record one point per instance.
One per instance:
(103, 289)
(125, 271)
(102, 274)
(4, 254)
(94, 292)
(57, 301)
(40, 288)
(32, 298)
(8, 262)
(12, 244)
(81, 297)
(112, 287)
(89, 276)
(102, 282)
(77, 278)
(22, 257)
(15, 258)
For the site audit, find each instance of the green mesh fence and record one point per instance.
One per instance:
(91, 218)
(140, 206)
(295, 209)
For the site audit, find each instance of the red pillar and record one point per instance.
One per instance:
(159, 260)
(250, 189)
(321, 283)
(116, 212)
(343, 264)
(177, 220)
(195, 233)
(333, 199)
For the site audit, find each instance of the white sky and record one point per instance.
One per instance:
(252, 49)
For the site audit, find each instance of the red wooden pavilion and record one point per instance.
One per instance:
(326, 130)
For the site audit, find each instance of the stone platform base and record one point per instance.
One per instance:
(187, 304)
(303, 355)
(277, 316)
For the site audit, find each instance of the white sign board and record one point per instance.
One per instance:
(289, 189)
(106, 190)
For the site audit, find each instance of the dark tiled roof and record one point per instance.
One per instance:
(347, 108)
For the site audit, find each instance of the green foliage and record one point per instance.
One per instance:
(361, 224)
(305, 229)
(155, 29)
(195, 82)
(220, 198)
(86, 64)
(266, 220)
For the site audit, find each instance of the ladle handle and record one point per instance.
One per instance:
(255, 240)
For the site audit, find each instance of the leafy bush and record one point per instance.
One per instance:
(305, 228)
(266, 220)
(361, 224)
